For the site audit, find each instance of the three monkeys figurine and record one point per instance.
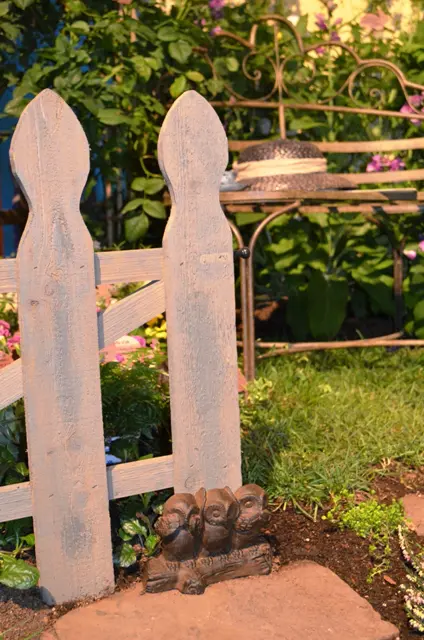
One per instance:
(208, 537)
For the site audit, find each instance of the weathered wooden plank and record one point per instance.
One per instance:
(15, 501)
(130, 313)
(132, 478)
(200, 304)
(7, 275)
(110, 267)
(127, 479)
(128, 266)
(61, 380)
(365, 195)
(116, 321)
(11, 386)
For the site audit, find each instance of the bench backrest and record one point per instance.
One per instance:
(275, 87)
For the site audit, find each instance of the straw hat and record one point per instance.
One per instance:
(286, 164)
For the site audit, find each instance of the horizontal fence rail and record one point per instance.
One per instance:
(123, 480)
(110, 267)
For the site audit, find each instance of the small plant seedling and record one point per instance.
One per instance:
(371, 520)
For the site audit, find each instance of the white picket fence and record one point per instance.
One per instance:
(55, 275)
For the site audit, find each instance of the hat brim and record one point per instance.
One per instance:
(300, 182)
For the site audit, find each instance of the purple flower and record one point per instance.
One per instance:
(337, 22)
(397, 165)
(141, 340)
(408, 109)
(320, 51)
(216, 8)
(334, 36)
(410, 254)
(4, 328)
(320, 22)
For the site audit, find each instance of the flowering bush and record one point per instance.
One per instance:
(414, 593)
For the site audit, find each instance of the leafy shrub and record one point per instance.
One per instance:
(371, 520)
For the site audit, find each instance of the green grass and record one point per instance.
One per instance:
(331, 418)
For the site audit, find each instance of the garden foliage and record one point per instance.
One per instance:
(119, 67)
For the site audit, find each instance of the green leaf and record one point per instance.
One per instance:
(155, 209)
(195, 76)
(142, 67)
(215, 85)
(29, 540)
(153, 63)
(23, 4)
(232, 64)
(168, 34)
(22, 469)
(151, 543)
(148, 185)
(132, 205)
(4, 9)
(178, 86)
(380, 293)
(133, 528)
(125, 556)
(136, 228)
(297, 314)
(419, 319)
(113, 117)
(80, 26)
(180, 51)
(327, 299)
(17, 574)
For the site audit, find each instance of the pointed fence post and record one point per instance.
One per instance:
(57, 315)
(200, 300)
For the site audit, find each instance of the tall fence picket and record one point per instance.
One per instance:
(60, 362)
(200, 300)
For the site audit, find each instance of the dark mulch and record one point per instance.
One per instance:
(295, 537)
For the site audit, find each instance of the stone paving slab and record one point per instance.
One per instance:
(302, 601)
(413, 504)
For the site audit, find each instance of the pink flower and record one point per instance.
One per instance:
(410, 254)
(380, 163)
(334, 36)
(320, 50)
(374, 22)
(408, 109)
(14, 340)
(154, 343)
(4, 328)
(216, 30)
(141, 340)
(331, 6)
(119, 357)
(320, 22)
(338, 22)
(397, 165)
(421, 245)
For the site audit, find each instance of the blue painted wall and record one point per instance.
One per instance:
(10, 238)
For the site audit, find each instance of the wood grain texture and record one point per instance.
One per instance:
(113, 267)
(200, 300)
(15, 501)
(127, 479)
(116, 321)
(8, 275)
(11, 386)
(110, 267)
(61, 380)
(132, 478)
